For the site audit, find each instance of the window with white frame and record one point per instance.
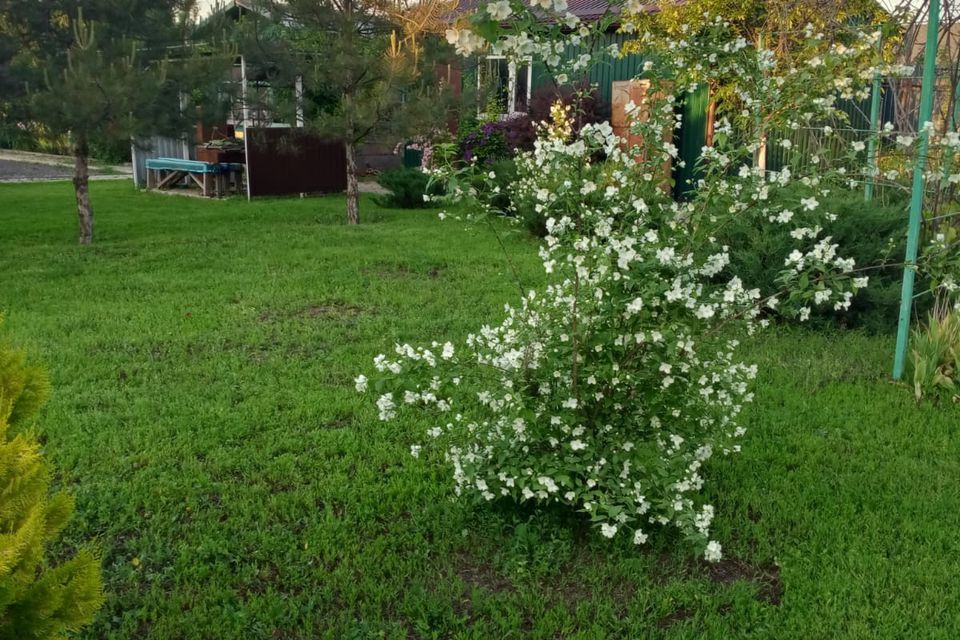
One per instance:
(508, 82)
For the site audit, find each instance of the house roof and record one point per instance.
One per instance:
(586, 10)
(593, 10)
(231, 8)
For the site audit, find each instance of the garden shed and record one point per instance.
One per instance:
(277, 154)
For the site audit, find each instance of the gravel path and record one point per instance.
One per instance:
(25, 166)
(16, 171)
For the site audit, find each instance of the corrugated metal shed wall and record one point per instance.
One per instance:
(157, 147)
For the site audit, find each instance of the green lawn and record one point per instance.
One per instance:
(204, 416)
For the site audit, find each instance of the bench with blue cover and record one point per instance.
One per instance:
(163, 173)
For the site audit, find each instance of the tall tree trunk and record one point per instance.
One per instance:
(353, 189)
(81, 187)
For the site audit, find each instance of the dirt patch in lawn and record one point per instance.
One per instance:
(333, 310)
(570, 588)
(766, 577)
(403, 271)
(330, 310)
(676, 617)
(479, 573)
(570, 593)
(727, 571)
(337, 422)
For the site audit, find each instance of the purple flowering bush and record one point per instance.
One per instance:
(488, 142)
(483, 144)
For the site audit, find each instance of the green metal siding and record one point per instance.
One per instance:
(602, 75)
(691, 138)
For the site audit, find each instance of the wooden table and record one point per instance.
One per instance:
(214, 179)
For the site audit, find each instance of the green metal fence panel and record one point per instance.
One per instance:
(692, 135)
(691, 138)
(852, 126)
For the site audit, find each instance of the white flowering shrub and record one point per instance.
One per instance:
(608, 389)
(602, 391)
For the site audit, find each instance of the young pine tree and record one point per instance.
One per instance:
(97, 94)
(97, 72)
(37, 601)
(365, 67)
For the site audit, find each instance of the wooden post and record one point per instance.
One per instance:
(511, 87)
(638, 92)
(760, 157)
(246, 165)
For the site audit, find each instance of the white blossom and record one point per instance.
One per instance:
(360, 382)
(713, 552)
(499, 9)
(386, 406)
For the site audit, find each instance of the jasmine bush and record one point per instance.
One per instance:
(495, 184)
(609, 389)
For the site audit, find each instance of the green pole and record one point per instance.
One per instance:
(874, 132)
(916, 201)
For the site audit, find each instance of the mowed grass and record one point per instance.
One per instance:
(204, 416)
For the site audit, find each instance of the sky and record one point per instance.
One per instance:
(206, 6)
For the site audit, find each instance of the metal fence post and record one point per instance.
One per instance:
(916, 201)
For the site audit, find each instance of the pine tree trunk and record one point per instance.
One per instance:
(350, 140)
(81, 187)
(353, 189)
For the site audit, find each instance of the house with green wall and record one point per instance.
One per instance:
(513, 84)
